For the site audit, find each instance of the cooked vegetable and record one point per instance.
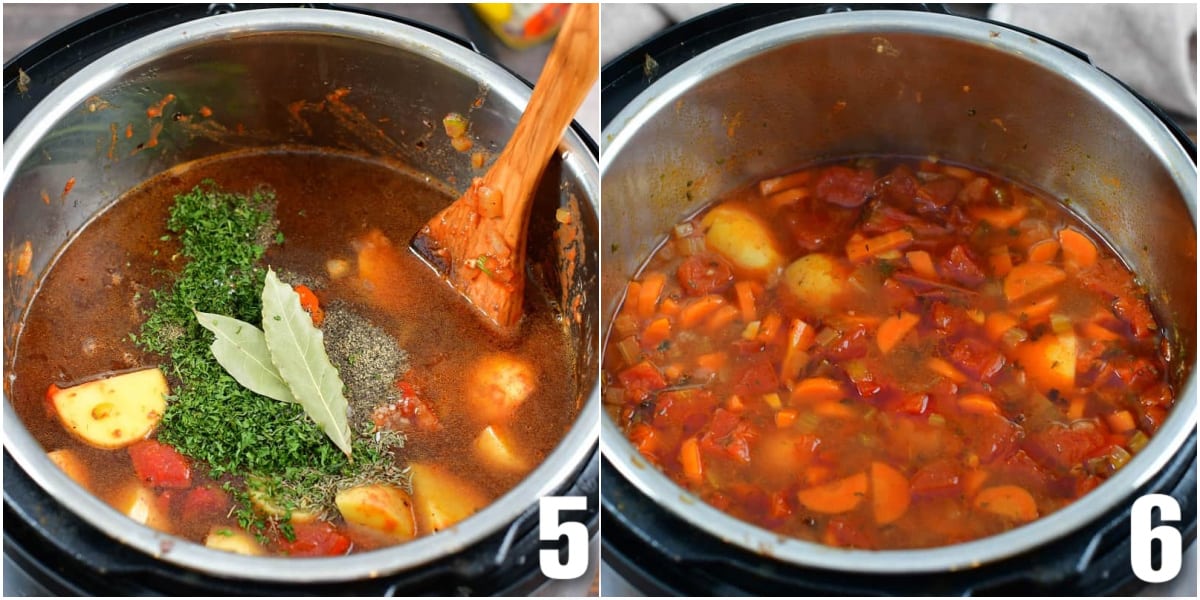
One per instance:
(890, 493)
(115, 411)
(160, 466)
(743, 239)
(974, 355)
(139, 503)
(836, 497)
(230, 539)
(68, 460)
(442, 499)
(381, 508)
(1009, 501)
(499, 384)
(815, 281)
(497, 449)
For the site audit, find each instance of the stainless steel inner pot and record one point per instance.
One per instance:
(902, 83)
(248, 68)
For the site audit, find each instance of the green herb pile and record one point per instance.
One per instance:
(212, 418)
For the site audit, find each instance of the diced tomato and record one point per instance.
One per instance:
(939, 478)
(975, 191)
(854, 342)
(1061, 448)
(844, 186)
(935, 195)
(705, 273)
(408, 413)
(977, 358)
(316, 539)
(757, 376)
(159, 465)
(898, 188)
(960, 266)
(816, 226)
(991, 437)
(723, 423)
(204, 503)
(640, 381)
(310, 303)
(1137, 314)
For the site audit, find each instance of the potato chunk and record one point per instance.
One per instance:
(69, 462)
(116, 411)
(815, 280)
(1049, 362)
(234, 540)
(381, 508)
(742, 239)
(441, 498)
(496, 448)
(139, 503)
(499, 385)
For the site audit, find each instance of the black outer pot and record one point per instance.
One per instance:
(660, 554)
(50, 551)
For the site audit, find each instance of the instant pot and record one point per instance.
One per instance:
(745, 92)
(60, 97)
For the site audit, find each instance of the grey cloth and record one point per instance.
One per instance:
(1150, 47)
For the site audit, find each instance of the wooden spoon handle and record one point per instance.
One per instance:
(566, 78)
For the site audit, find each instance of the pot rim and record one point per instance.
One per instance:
(549, 477)
(1163, 445)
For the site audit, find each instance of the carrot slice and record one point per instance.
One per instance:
(922, 264)
(689, 458)
(722, 318)
(1077, 248)
(836, 497)
(770, 327)
(998, 216)
(972, 481)
(656, 333)
(893, 329)
(834, 409)
(1044, 251)
(785, 418)
(767, 187)
(669, 307)
(997, 323)
(978, 404)
(1075, 407)
(860, 250)
(1000, 260)
(712, 361)
(779, 200)
(1029, 278)
(890, 491)
(632, 292)
(945, 369)
(745, 298)
(1039, 311)
(817, 389)
(1096, 331)
(1121, 421)
(652, 287)
(698, 310)
(1012, 502)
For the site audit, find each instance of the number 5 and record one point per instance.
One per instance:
(551, 530)
(1142, 536)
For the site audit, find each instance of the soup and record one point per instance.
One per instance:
(122, 383)
(886, 353)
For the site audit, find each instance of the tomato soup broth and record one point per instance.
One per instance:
(886, 353)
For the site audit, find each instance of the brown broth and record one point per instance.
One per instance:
(78, 325)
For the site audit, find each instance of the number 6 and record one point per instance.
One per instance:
(551, 530)
(1142, 535)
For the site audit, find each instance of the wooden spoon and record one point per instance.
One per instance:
(478, 242)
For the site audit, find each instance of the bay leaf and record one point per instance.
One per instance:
(241, 348)
(298, 351)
